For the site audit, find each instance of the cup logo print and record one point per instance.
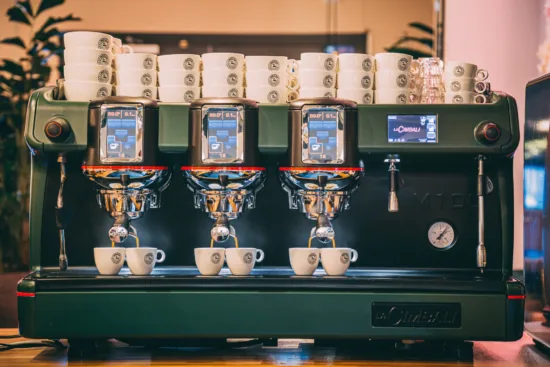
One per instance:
(148, 258)
(401, 99)
(458, 99)
(189, 80)
(401, 81)
(103, 59)
(102, 92)
(247, 258)
(232, 63)
(328, 81)
(273, 65)
(147, 93)
(103, 76)
(458, 71)
(116, 258)
(189, 96)
(148, 63)
(215, 258)
(312, 258)
(273, 96)
(233, 92)
(367, 64)
(103, 43)
(366, 82)
(146, 79)
(232, 79)
(188, 64)
(367, 98)
(344, 258)
(328, 95)
(329, 64)
(273, 80)
(455, 86)
(402, 64)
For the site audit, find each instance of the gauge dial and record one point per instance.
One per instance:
(442, 235)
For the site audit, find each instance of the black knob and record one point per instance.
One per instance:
(487, 132)
(57, 129)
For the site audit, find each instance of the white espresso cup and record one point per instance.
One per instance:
(315, 78)
(188, 78)
(223, 60)
(460, 85)
(187, 62)
(142, 260)
(317, 92)
(136, 90)
(89, 73)
(241, 260)
(221, 90)
(360, 96)
(355, 62)
(272, 78)
(459, 97)
(147, 78)
(460, 69)
(209, 260)
(391, 96)
(271, 94)
(86, 91)
(178, 93)
(271, 63)
(304, 260)
(94, 40)
(88, 56)
(336, 261)
(318, 60)
(392, 61)
(355, 79)
(233, 78)
(138, 60)
(391, 79)
(109, 260)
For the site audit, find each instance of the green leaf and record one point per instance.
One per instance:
(409, 51)
(56, 20)
(44, 36)
(422, 27)
(12, 67)
(17, 13)
(48, 4)
(17, 41)
(27, 5)
(425, 41)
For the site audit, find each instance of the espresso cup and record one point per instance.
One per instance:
(233, 78)
(142, 260)
(93, 40)
(136, 90)
(138, 60)
(304, 261)
(221, 90)
(271, 94)
(336, 261)
(481, 86)
(271, 63)
(109, 260)
(223, 60)
(147, 78)
(186, 62)
(480, 98)
(209, 260)
(178, 93)
(310, 78)
(89, 73)
(352, 79)
(391, 96)
(317, 92)
(86, 91)
(355, 62)
(361, 96)
(264, 78)
(391, 79)
(241, 260)
(179, 77)
(459, 69)
(318, 60)
(459, 97)
(87, 56)
(392, 61)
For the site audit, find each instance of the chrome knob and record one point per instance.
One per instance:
(118, 233)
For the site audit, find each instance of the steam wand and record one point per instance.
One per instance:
(481, 190)
(60, 214)
(393, 201)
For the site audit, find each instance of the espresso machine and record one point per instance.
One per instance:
(431, 219)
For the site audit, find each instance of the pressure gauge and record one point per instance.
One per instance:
(442, 235)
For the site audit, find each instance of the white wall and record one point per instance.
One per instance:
(501, 36)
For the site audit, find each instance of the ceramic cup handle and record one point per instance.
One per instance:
(354, 256)
(162, 256)
(259, 259)
(481, 75)
(127, 49)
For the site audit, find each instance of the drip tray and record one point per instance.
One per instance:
(272, 278)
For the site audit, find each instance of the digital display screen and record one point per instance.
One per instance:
(121, 133)
(412, 129)
(322, 131)
(222, 128)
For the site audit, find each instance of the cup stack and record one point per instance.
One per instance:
(179, 78)
(223, 75)
(317, 75)
(429, 80)
(271, 79)
(392, 78)
(88, 71)
(462, 81)
(136, 75)
(356, 77)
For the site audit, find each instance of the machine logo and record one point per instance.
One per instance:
(366, 82)
(401, 99)
(344, 258)
(328, 81)
(233, 92)
(215, 258)
(103, 43)
(103, 76)
(273, 65)
(367, 98)
(232, 63)
(458, 71)
(146, 79)
(102, 92)
(455, 86)
(312, 259)
(367, 64)
(273, 80)
(149, 258)
(147, 93)
(148, 63)
(188, 64)
(424, 315)
(401, 81)
(247, 258)
(408, 129)
(232, 79)
(103, 59)
(189, 96)
(403, 63)
(329, 64)
(458, 99)
(116, 258)
(328, 95)
(273, 96)
(189, 80)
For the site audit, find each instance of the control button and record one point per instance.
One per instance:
(487, 132)
(57, 129)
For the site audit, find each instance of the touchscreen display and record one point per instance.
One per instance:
(222, 127)
(121, 133)
(412, 129)
(322, 133)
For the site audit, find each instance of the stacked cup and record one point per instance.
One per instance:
(223, 75)
(271, 79)
(392, 78)
(356, 77)
(136, 75)
(317, 75)
(87, 70)
(461, 80)
(179, 78)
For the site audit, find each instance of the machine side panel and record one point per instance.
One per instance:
(173, 131)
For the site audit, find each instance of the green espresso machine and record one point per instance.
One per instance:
(426, 199)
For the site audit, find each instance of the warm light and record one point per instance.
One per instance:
(543, 125)
(184, 44)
